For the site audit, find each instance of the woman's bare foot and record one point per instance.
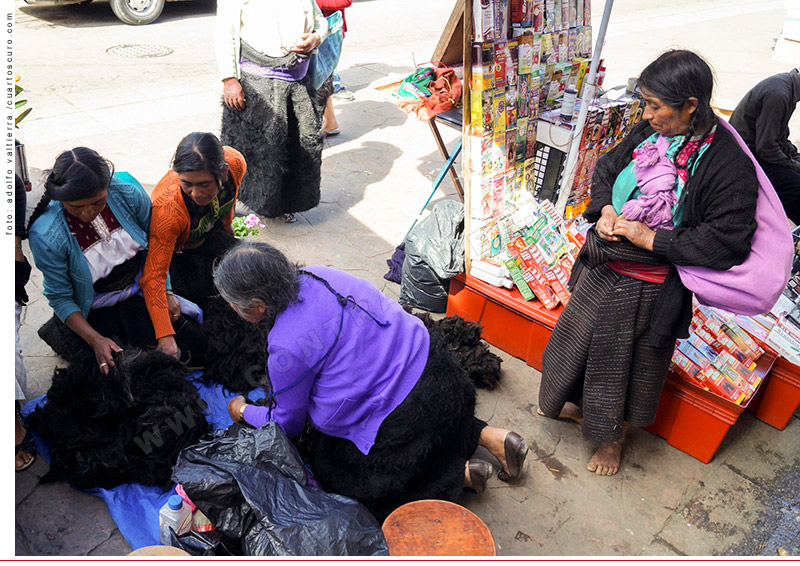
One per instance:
(569, 411)
(606, 460)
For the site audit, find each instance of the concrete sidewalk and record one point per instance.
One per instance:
(376, 175)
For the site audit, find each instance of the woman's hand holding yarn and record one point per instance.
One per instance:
(104, 349)
(637, 233)
(605, 225)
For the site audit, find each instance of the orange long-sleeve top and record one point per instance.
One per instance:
(169, 230)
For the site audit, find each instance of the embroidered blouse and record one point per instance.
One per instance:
(104, 242)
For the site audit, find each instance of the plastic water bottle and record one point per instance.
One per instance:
(568, 103)
(176, 514)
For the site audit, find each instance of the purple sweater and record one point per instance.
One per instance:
(368, 373)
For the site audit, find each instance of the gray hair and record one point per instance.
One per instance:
(256, 270)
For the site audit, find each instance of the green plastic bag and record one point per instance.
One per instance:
(415, 85)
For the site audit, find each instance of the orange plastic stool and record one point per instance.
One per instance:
(431, 527)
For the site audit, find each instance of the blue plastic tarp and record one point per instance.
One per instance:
(132, 506)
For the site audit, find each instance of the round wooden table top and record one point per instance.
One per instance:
(431, 527)
(159, 550)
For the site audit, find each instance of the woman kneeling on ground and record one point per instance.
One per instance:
(193, 207)
(613, 342)
(88, 236)
(390, 409)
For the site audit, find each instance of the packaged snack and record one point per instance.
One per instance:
(516, 276)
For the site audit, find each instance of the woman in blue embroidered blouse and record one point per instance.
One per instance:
(88, 236)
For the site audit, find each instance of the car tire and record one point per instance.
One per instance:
(137, 12)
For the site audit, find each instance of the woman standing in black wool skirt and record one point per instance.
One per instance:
(272, 114)
(390, 411)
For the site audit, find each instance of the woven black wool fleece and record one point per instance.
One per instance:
(464, 339)
(236, 357)
(127, 426)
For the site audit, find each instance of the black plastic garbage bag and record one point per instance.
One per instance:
(434, 253)
(252, 486)
(211, 543)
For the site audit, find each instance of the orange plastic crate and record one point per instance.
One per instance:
(516, 326)
(781, 394)
(694, 420)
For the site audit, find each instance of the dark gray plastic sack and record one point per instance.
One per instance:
(252, 486)
(434, 253)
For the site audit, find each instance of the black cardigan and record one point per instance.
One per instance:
(719, 203)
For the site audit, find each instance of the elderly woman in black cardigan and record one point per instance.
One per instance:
(614, 340)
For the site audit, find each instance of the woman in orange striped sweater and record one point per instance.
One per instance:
(191, 225)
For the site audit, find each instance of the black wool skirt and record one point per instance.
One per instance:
(600, 351)
(421, 448)
(279, 134)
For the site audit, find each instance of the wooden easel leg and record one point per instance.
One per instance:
(446, 156)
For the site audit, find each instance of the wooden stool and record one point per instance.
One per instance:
(159, 550)
(437, 528)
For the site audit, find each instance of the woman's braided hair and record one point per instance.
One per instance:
(77, 174)
(676, 76)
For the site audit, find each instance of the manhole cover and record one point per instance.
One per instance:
(139, 51)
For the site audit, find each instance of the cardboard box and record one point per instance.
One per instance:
(684, 366)
(743, 340)
(783, 339)
(693, 354)
(722, 385)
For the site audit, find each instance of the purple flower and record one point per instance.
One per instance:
(251, 220)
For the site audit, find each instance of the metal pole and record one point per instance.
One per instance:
(589, 90)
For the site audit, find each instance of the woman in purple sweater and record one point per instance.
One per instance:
(391, 411)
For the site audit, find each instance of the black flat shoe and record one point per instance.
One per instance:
(516, 451)
(479, 473)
